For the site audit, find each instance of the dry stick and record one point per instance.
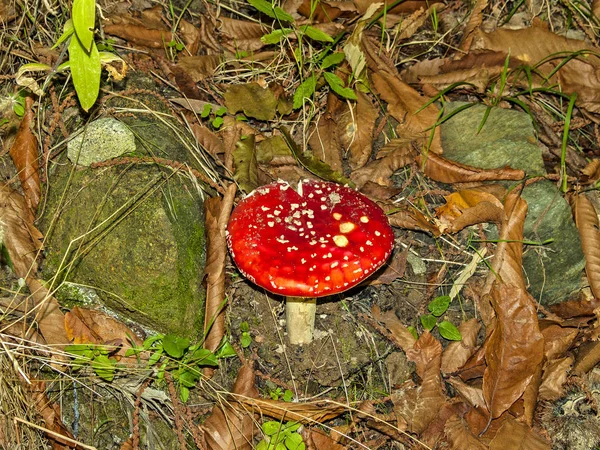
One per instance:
(136, 414)
(177, 411)
(54, 433)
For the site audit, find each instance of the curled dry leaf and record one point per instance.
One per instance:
(401, 336)
(318, 440)
(420, 406)
(557, 340)
(306, 413)
(457, 353)
(139, 35)
(587, 358)
(444, 170)
(469, 207)
(475, 20)
(24, 154)
(241, 34)
(514, 350)
(407, 216)
(51, 415)
(514, 434)
(360, 131)
(199, 67)
(49, 317)
(217, 214)
(472, 395)
(460, 437)
(381, 170)
(229, 426)
(554, 378)
(586, 219)
(20, 237)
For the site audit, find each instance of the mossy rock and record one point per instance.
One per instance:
(135, 234)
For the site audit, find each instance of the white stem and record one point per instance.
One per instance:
(300, 318)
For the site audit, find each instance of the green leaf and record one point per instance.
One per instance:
(337, 86)
(287, 396)
(79, 350)
(206, 110)
(316, 34)
(244, 327)
(175, 346)
(294, 442)
(305, 90)
(217, 122)
(225, 349)
(149, 342)
(262, 445)
(184, 394)
(276, 36)
(203, 357)
(189, 378)
(449, 331)
(85, 68)
(439, 305)
(84, 21)
(220, 112)
(428, 321)
(271, 427)
(104, 367)
(332, 60)
(68, 31)
(246, 340)
(275, 12)
(413, 331)
(292, 426)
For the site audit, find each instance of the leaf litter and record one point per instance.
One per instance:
(354, 92)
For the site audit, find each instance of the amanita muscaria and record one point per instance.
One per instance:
(319, 239)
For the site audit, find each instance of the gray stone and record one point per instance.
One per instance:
(101, 140)
(553, 271)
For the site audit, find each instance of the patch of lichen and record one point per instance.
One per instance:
(137, 236)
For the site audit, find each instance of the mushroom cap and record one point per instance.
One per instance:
(317, 240)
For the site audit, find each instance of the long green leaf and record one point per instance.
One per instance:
(86, 69)
(84, 21)
(274, 12)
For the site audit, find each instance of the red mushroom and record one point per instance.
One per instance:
(318, 240)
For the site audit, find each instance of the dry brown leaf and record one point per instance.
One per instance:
(190, 35)
(20, 237)
(420, 406)
(457, 353)
(90, 326)
(460, 437)
(554, 378)
(444, 170)
(381, 170)
(241, 34)
(592, 171)
(50, 413)
(140, 35)
(587, 358)
(534, 44)
(473, 395)
(324, 140)
(217, 214)
(401, 336)
(407, 216)
(576, 308)
(557, 340)
(50, 319)
(199, 67)
(207, 139)
(360, 131)
(586, 219)
(319, 440)
(393, 269)
(230, 427)
(530, 397)
(515, 435)
(475, 20)
(596, 8)
(469, 207)
(306, 413)
(514, 350)
(24, 154)
(327, 11)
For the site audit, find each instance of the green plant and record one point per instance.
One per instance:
(277, 394)
(175, 355)
(96, 356)
(214, 114)
(322, 62)
(173, 48)
(280, 436)
(245, 339)
(437, 307)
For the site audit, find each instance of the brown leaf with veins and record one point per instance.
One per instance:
(199, 67)
(306, 413)
(229, 426)
(139, 35)
(241, 34)
(317, 439)
(444, 170)
(21, 238)
(514, 349)
(324, 140)
(457, 353)
(401, 336)
(90, 326)
(421, 405)
(475, 21)
(556, 373)
(515, 435)
(471, 394)
(381, 170)
(360, 146)
(49, 317)
(587, 358)
(586, 219)
(217, 214)
(557, 340)
(24, 154)
(460, 436)
(469, 207)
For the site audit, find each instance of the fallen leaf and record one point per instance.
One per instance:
(324, 138)
(49, 317)
(457, 353)
(381, 170)
(460, 437)
(420, 406)
(554, 378)
(24, 154)
(207, 139)
(515, 435)
(140, 35)
(359, 131)
(319, 440)
(444, 170)
(217, 215)
(230, 427)
(252, 99)
(514, 349)
(199, 67)
(20, 237)
(557, 340)
(241, 34)
(245, 164)
(469, 207)
(51, 415)
(473, 395)
(306, 413)
(402, 337)
(587, 358)
(586, 219)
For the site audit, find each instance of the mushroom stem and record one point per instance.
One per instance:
(300, 318)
